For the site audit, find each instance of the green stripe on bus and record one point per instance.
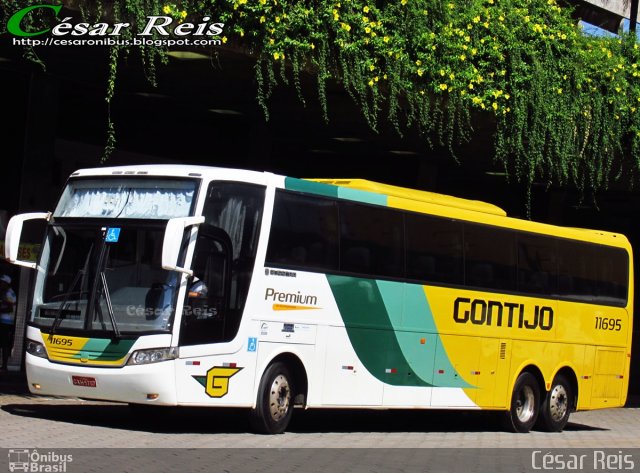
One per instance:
(104, 349)
(201, 379)
(362, 196)
(371, 332)
(311, 187)
(398, 317)
(329, 190)
(413, 322)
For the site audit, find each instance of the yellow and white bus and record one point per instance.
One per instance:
(202, 286)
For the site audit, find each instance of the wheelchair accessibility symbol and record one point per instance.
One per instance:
(113, 234)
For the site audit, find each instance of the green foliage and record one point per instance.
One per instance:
(566, 106)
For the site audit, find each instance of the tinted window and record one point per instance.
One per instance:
(371, 240)
(206, 317)
(592, 273)
(612, 274)
(576, 278)
(304, 232)
(489, 257)
(537, 266)
(319, 233)
(236, 209)
(434, 249)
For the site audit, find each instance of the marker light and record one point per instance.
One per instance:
(154, 355)
(36, 349)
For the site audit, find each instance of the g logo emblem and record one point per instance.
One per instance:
(218, 380)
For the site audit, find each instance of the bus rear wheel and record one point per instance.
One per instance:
(274, 406)
(525, 404)
(556, 407)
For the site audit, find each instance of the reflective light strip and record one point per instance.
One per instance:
(193, 363)
(229, 365)
(440, 371)
(391, 370)
(586, 377)
(475, 372)
(345, 367)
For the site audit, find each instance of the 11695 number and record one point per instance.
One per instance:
(61, 341)
(606, 323)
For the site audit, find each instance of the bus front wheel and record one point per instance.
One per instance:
(525, 404)
(556, 406)
(274, 406)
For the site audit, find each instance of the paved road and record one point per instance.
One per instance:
(56, 423)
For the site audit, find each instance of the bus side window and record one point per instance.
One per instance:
(612, 274)
(434, 249)
(371, 240)
(537, 265)
(234, 211)
(576, 270)
(304, 233)
(490, 257)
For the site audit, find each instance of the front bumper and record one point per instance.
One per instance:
(132, 384)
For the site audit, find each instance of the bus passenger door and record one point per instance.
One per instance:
(208, 370)
(205, 312)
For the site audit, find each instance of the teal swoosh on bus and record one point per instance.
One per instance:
(327, 190)
(103, 349)
(396, 316)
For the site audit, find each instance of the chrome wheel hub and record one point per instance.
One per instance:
(525, 404)
(558, 402)
(279, 397)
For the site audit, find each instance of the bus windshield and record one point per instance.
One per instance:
(94, 277)
(129, 197)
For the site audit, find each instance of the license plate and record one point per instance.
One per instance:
(84, 381)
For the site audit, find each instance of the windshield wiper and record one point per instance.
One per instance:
(107, 298)
(94, 308)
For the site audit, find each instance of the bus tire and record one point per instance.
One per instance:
(525, 404)
(556, 407)
(274, 405)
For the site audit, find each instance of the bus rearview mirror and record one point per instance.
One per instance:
(173, 242)
(12, 238)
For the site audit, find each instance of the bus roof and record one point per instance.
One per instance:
(176, 170)
(417, 200)
(417, 195)
(359, 189)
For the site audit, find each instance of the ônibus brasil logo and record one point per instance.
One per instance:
(25, 459)
(158, 30)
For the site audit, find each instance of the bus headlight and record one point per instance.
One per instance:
(154, 355)
(36, 349)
